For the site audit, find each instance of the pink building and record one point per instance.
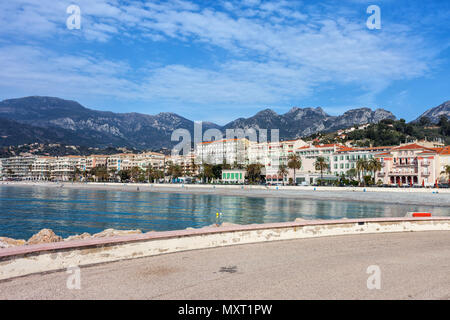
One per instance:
(408, 165)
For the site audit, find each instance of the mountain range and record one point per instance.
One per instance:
(55, 120)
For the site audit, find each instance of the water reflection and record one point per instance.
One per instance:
(25, 211)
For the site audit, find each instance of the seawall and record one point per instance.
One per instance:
(25, 260)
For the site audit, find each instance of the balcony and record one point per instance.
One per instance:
(425, 163)
(426, 174)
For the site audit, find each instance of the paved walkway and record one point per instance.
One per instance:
(414, 265)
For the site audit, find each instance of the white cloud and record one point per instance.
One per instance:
(294, 49)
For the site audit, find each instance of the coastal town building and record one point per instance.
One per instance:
(230, 151)
(345, 158)
(41, 169)
(410, 164)
(18, 168)
(66, 168)
(187, 163)
(96, 161)
(233, 176)
(444, 161)
(407, 164)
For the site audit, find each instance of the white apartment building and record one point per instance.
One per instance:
(155, 160)
(18, 168)
(121, 161)
(231, 151)
(42, 168)
(65, 168)
(187, 162)
(274, 154)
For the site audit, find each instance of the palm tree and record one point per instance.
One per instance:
(361, 166)
(148, 171)
(282, 171)
(294, 163)
(374, 165)
(76, 173)
(112, 174)
(254, 172)
(321, 165)
(135, 172)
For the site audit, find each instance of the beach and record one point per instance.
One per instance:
(421, 196)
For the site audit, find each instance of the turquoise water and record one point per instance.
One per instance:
(26, 210)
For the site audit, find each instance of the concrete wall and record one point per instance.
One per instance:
(24, 260)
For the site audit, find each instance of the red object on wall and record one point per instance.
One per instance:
(421, 214)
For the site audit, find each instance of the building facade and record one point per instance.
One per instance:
(230, 151)
(410, 164)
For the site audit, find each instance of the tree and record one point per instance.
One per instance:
(283, 172)
(207, 172)
(112, 174)
(174, 171)
(135, 172)
(254, 172)
(217, 171)
(100, 173)
(361, 166)
(443, 121)
(321, 165)
(294, 163)
(75, 174)
(424, 121)
(374, 165)
(352, 173)
(447, 172)
(157, 175)
(124, 175)
(149, 171)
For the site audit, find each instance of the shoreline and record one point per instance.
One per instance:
(394, 196)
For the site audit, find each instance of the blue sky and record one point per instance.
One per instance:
(220, 60)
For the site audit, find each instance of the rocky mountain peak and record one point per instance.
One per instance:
(435, 113)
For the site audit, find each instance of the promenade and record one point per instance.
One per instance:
(413, 265)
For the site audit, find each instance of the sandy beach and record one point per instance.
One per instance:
(429, 197)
